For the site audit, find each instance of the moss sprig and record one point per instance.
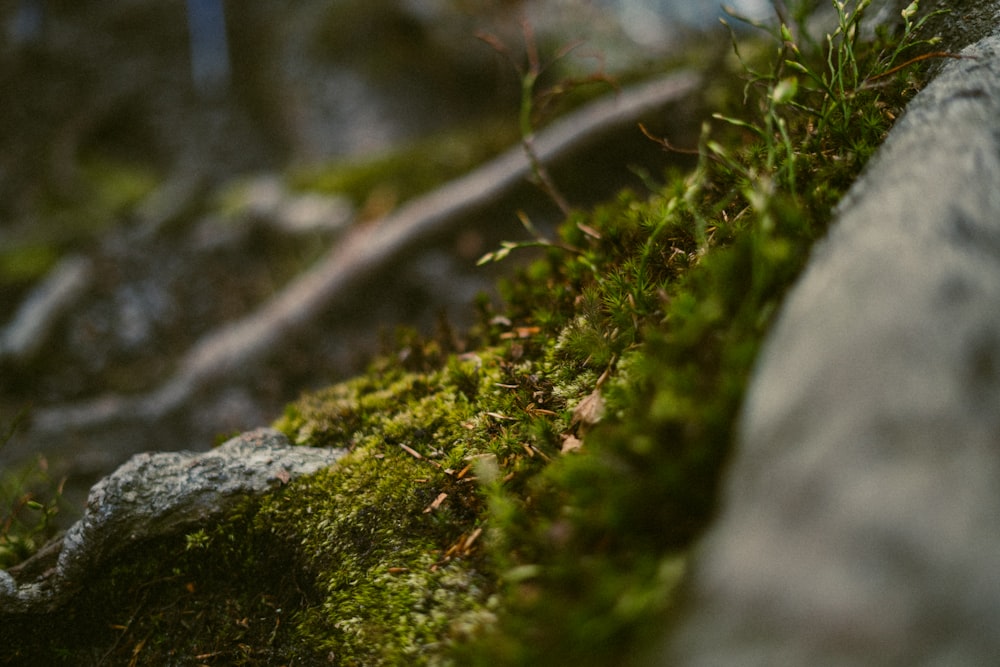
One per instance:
(30, 499)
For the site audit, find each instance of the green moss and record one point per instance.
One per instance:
(672, 294)
(384, 532)
(389, 593)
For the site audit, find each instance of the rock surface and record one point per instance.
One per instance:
(153, 495)
(861, 520)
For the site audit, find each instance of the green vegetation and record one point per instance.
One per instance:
(533, 502)
(29, 500)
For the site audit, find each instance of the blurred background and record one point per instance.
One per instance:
(169, 166)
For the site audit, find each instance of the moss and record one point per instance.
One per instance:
(378, 558)
(387, 534)
(671, 294)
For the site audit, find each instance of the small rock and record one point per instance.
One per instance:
(157, 494)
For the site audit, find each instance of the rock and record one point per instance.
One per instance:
(154, 495)
(861, 518)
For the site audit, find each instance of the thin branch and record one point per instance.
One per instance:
(868, 83)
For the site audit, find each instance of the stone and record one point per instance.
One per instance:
(860, 522)
(151, 495)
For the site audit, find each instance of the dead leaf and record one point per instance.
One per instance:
(571, 443)
(588, 411)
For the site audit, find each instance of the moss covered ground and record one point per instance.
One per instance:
(527, 492)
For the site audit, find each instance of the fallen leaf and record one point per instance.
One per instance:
(589, 411)
(571, 443)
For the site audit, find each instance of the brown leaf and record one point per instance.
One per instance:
(571, 443)
(588, 411)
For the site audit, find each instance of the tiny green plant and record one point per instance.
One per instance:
(529, 77)
(817, 104)
(29, 502)
(533, 102)
(913, 23)
(199, 539)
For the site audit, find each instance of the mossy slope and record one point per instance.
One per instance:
(533, 502)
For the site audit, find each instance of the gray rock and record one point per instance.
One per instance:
(154, 495)
(861, 517)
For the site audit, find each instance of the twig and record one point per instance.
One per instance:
(667, 146)
(868, 83)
